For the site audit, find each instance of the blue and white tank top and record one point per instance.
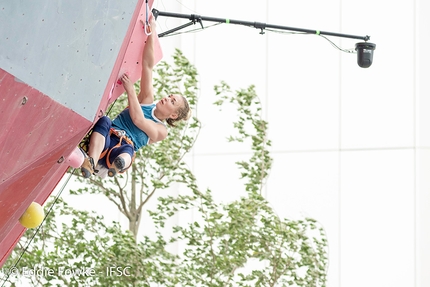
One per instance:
(123, 122)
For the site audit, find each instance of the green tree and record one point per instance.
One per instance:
(241, 243)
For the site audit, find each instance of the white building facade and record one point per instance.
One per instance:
(351, 146)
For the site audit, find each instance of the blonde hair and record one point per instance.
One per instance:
(184, 113)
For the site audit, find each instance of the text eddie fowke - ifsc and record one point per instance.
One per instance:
(64, 271)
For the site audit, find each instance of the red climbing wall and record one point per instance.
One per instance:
(53, 86)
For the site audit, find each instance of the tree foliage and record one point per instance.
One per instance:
(240, 243)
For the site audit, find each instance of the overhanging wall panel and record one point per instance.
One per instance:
(65, 49)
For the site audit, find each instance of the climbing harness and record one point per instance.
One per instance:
(122, 136)
(106, 153)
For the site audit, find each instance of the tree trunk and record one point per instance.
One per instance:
(133, 219)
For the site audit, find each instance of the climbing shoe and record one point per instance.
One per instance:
(87, 167)
(118, 165)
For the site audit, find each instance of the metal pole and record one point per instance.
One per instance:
(197, 18)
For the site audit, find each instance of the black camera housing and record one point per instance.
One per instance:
(365, 54)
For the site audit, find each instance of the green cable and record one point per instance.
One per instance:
(227, 21)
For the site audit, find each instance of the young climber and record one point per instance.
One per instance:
(113, 143)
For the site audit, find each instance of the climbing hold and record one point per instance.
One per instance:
(33, 216)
